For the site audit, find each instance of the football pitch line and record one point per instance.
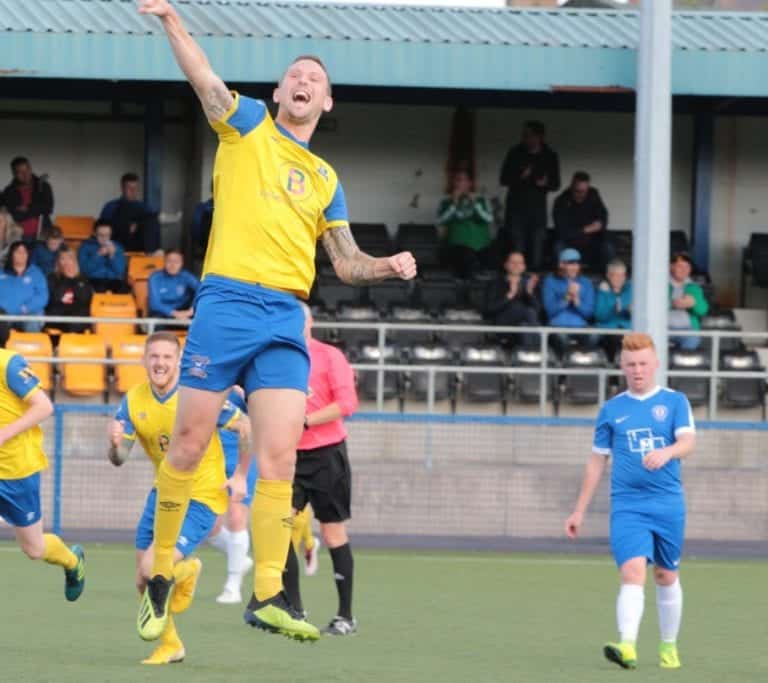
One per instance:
(490, 558)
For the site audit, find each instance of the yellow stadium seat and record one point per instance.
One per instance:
(82, 379)
(140, 267)
(113, 306)
(34, 345)
(76, 228)
(141, 294)
(130, 347)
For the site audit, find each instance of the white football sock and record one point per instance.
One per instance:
(629, 611)
(237, 551)
(669, 602)
(221, 540)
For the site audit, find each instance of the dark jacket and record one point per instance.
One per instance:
(496, 296)
(523, 192)
(121, 213)
(69, 296)
(40, 205)
(570, 216)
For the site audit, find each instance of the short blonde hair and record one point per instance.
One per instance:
(637, 341)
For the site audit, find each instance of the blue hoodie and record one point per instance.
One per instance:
(97, 267)
(44, 258)
(25, 294)
(169, 293)
(561, 313)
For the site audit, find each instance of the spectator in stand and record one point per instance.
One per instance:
(569, 299)
(29, 199)
(202, 219)
(687, 304)
(531, 170)
(9, 233)
(102, 260)
(465, 219)
(45, 253)
(23, 290)
(172, 289)
(581, 222)
(613, 306)
(70, 292)
(134, 223)
(512, 299)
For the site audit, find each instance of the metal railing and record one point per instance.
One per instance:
(544, 370)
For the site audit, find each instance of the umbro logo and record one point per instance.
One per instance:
(168, 506)
(288, 522)
(619, 420)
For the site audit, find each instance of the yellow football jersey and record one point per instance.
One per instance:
(22, 455)
(150, 418)
(272, 199)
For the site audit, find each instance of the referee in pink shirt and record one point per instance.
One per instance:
(323, 477)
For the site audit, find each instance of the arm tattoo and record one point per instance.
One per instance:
(216, 99)
(352, 265)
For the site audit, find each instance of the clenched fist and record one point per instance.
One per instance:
(403, 265)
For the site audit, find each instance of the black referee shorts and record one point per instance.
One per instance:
(323, 479)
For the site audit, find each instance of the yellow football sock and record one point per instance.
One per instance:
(174, 489)
(302, 530)
(182, 570)
(170, 636)
(56, 552)
(271, 524)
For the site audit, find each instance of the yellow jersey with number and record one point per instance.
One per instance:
(272, 199)
(22, 456)
(150, 418)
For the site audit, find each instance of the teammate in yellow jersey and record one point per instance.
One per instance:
(23, 406)
(147, 412)
(274, 199)
(304, 541)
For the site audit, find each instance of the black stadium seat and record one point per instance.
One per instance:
(695, 388)
(331, 292)
(527, 387)
(583, 389)
(373, 238)
(390, 293)
(422, 240)
(743, 392)
(368, 379)
(357, 313)
(461, 315)
(410, 315)
(418, 382)
(483, 387)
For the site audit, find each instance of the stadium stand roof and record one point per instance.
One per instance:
(715, 53)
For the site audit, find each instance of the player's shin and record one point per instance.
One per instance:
(237, 558)
(343, 568)
(669, 603)
(271, 524)
(629, 611)
(174, 489)
(56, 552)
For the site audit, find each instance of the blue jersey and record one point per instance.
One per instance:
(628, 427)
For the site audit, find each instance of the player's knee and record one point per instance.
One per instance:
(276, 463)
(334, 535)
(187, 448)
(34, 550)
(664, 577)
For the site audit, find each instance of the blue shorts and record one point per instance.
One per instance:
(253, 475)
(245, 334)
(198, 524)
(657, 536)
(20, 500)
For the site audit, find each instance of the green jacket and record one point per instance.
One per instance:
(467, 222)
(700, 308)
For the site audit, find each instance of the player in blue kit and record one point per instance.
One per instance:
(647, 430)
(230, 535)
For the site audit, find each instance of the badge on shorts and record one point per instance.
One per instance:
(199, 365)
(660, 412)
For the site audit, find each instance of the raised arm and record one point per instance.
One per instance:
(357, 268)
(210, 89)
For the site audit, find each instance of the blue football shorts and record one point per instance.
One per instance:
(656, 535)
(20, 500)
(245, 334)
(197, 525)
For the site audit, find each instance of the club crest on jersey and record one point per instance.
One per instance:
(296, 181)
(163, 441)
(660, 412)
(199, 365)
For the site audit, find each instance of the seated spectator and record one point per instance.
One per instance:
(29, 199)
(465, 219)
(134, 224)
(102, 260)
(23, 290)
(45, 253)
(613, 306)
(512, 300)
(9, 233)
(70, 292)
(172, 289)
(569, 299)
(687, 304)
(581, 222)
(202, 219)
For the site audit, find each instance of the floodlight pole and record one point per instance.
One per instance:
(653, 140)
